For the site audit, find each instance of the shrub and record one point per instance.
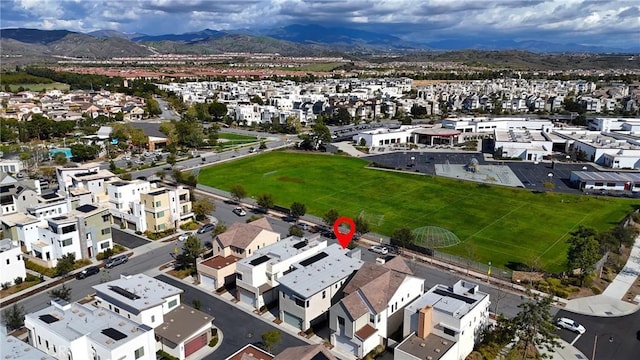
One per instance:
(5, 285)
(81, 263)
(18, 280)
(596, 290)
(31, 277)
(213, 341)
(166, 355)
(553, 282)
(561, 293)
(50, 272)
(190, 226)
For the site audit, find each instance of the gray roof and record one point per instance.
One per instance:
(13, 348)
(281, 250)
(455, 301)
(310, 279)
(136, 292)
(73, 321)
(606, 176)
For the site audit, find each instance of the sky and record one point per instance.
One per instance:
(612, 23)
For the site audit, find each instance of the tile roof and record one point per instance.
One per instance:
(305, 352)
(240, 235)
(182, 323)
(365, 332)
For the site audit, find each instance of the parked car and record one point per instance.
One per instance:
(392, 249)
(379, 249)
(206, 228)
(289, 218)
(303, 226)
(116, 260)
(570, 325)
(91, 270)
(239, 211)
(185, 236)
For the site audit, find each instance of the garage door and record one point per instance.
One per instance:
(207, 282)
(345, 344)
(194, 345)
(246, 297)
(293, 320)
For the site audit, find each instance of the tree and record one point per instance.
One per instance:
(263, 145)
(295, 231)
(256, 99)
(60, 158)
(13, 317)
(138, 138)
(298, 210)
(203, 207)
(533, 325)
(271, 339)
(238, 192)
(320, 134)
(219, 229)
(190, 133)
(362, 225)
(171, 159)
(190, 251)
(404, 236)
(583, 252)
(65, 264)
(330, 217)
(63, 293)
(265, 201)
(217, 110)
(84, 152)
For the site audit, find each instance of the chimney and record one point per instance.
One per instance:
(424, 322)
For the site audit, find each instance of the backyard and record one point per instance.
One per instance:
(494, 223)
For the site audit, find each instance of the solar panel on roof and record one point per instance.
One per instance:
(300, 245)
(313, 259)
(128, 294)
(48, 318)
(454, 295)
(114, 334)
(260, 260)
(86, 208)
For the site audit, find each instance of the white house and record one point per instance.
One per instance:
(125, 205)
(75, 331)
(10, 166)
(22, 228)
(64, 173)
(371, 309)
(12, 348)
(11, 261)
(314, 284)
(257, 276)
(444, 323)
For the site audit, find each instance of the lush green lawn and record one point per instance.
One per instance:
(231, 136)
(498, 224)
(40, 87)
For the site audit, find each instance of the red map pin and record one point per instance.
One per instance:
(344, 239)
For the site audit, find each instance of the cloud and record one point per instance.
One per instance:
(579, 21)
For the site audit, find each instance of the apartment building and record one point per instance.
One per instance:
(241, 240)
(64, 173)
(372, 306)
(309, 290)
(257, 276)
(75, 331)
(166, 208)
(125, 205)
(11, 261)
(22, 228)
(444, 323)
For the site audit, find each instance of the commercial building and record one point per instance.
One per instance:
(590, 181)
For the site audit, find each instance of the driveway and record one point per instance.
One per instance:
(126, 239)
(238, 328)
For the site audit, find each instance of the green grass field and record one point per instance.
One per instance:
(232, 136)
(499, 224)
(40, 87)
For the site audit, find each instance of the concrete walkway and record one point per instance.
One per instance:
(348, 148)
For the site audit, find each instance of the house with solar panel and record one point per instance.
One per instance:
(75, 331)
(180, 329)
(315, 284)
(257, 276)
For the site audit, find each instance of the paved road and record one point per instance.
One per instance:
(623, 331)
(238, 327)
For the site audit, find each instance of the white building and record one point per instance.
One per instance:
(11, 261)
(22, 228)
(444, 323)
(10, 166)
(530, 145)
(75, 331)
(12, 348)
(609, 181)
(371, 309)
(257, 276)
(64, 173)
(308, 291)
(125, 204)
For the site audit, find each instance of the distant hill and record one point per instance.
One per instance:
(537, 46)
(114, 33)
(34, 36)
(188, 37)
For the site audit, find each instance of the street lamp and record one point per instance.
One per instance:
(489, 272)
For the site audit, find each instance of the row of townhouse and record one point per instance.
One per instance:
(78, 217)
(128, 318)
(312, 282)
(58, 105)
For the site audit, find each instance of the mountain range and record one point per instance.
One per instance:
(292, 40)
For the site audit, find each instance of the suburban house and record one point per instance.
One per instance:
(64, 173)
(22, 228)
(17, 195)
(444, 323)
(125, 205)
(238, 242)
(75, 331)
(180, 329)
(308, 292)
(304, 352)
(371, 308)
(11, 261)
(166, 208)
(10, 166)
(257, 277)
(250, 352)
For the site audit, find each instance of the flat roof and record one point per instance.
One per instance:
(281, 250)
(136, 292)
(19, 219)
(313, 278)
(606, 176)
(182, 323)
(219, 262)
(432, 347)
(456, 300)
(93, 175)
(436, 132)
(72, 321)
(12, 348)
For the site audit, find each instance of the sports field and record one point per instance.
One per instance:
(500, 224)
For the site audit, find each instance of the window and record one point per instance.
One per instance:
(54, 348)
(106, 231)
(153, 318)
(340, 321)
(372, 318)
(159, 214)
(299, 302)
(105, 218)
(39, 340)
(324, 294)
(139, 353)
(158, 203)
(238, 276)
(449, 332)
(116, 310)
(173, 303)
(611, 184)
(598, 184)
(68, 229)
(8, 261)
(47, 344)
(104, 245)
(67, 242)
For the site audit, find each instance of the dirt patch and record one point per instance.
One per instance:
(291, 179)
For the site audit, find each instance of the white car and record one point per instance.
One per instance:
(185, 236)
(379, 249)
(239, 211)
(570, 325)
